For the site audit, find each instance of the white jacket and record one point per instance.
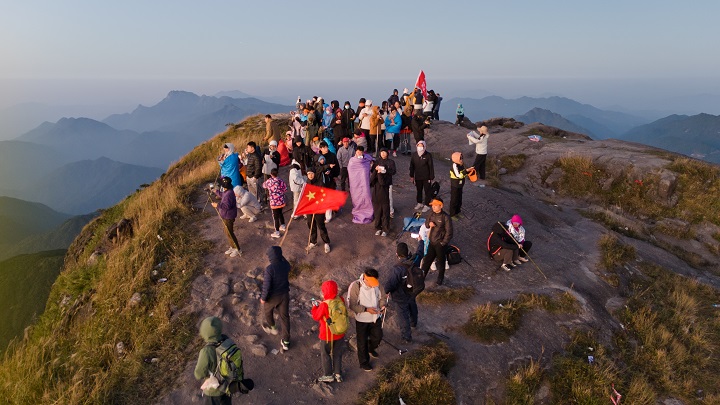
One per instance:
(480, 141)
(296, 180)
(365, 122)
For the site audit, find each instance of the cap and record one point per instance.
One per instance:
(273, 143)
(437, 201)
(368, 103)
(346, 139)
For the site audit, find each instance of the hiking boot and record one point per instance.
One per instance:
(227, 252)
(512, 265)
(311, 245)
(282, 228)
(270, 330)
(338, 378)
(275, 234)
(426, 208)
(285, 344)
(378, 232)
(366, 367)
(252, 219)
(517, 262)
(418, 206)
(383, 234)
(327, 378)
(235, 253)
(374, 354)
(327, 248)
(505, 267)
(523, 259)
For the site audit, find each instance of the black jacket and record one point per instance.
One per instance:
(443, 230)
(395, 284)
(348, 117)
(275, 280)
(421, 167)
(254, 165)
(499, 239)
(331, 159)
(302, 154)
(392, 99)
(418, 126)
(382, 179)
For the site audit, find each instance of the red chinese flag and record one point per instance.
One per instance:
(317, 200)
(421, 83)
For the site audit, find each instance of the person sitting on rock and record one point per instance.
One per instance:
(514, 226)
(502, 248)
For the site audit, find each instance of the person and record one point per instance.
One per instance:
(271, 134)
(315, 222)
(365, 297)
(302, 154)
(365, 124)
(405, 132)
(361, 105)
(297, 181)
(458, 174)
(459, 114)
(393, 124)
(517, 231)
(254, 170)
(480, 140)
(331, 172)
(436, 107)
(422, 173)
(283, 149)
(271, 159)
(344, 154)
(211, 333)
(376, 122)
(327, 120)
(312, 128)
(394, 98)
(398, 295)
(429, 104)
(359, 176)
(359, 138)
(418, 125)
(332, 346)
(230, 164)
(348, 119)
(276, 188)
(501, 247)
(417, 98)
(441, 231)
(275, 296)
(227, 209)
(247, 204)
(338, 128)
(382, 171)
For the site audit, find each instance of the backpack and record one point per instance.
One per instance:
(337, 322)
(452, 254)
(414, 280)
(435, 189)
(229, 370)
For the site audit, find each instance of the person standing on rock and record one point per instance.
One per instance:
(418, 125)
(514, 226)
(422, 173)
(397, 293)
(458, 176)
(297, 181)
(382, 171)
(211, 332)
(230, 164)
(254, 170)
(441, 231)
(480, 140)
(344, 154)
(501, 247)
(364, 298)
(227, 209)
(332, 346)
(276, 189)
(316, 222)
(275, 296)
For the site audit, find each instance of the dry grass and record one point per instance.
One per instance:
(70, 356)
(524, 383)
(698, 190)
(496, 322)
(446, 296)
(614, 253)
(511, 163)
(418, 378)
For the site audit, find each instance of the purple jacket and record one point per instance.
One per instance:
(227, 205)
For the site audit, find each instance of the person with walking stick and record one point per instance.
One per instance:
(402, 298)
(227, 211)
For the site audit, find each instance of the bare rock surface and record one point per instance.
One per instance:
(565, 249)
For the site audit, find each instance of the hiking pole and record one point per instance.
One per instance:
(312, 223)
(523, 250)
(400, 351)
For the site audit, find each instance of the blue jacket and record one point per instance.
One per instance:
(275, 280)
(331, 146)
(230, 168)
(393, 129)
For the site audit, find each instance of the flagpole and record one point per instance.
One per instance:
(287, 229)
(312, 223)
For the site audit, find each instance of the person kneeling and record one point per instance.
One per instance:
(502, 248)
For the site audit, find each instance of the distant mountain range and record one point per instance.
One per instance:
(59, 237)
(548, 117)
(601, 123)
(20, 219)
(697, 135)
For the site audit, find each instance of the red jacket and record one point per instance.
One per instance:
(320, 312)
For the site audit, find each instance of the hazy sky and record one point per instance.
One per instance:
(76, 52)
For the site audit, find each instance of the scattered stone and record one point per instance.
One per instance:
(502, 171)
(323, 389)
(274, 351)
(135, 299)
(252, 338)
(120, 349)
(238, 287)
(259, 350)
(254, 273)
(65, 301)
(93, 259)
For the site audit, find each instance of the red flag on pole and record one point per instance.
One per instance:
(317, 200)
(421, 83)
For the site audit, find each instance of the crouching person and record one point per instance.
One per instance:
(247, 204)
(332, 318)
(502, 248)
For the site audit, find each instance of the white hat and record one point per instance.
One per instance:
(405, 90)
(368, 103)
(273, 143)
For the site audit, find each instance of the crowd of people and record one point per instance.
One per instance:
(336, 147)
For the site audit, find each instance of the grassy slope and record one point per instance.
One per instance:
(88, 314)
(25, 283)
